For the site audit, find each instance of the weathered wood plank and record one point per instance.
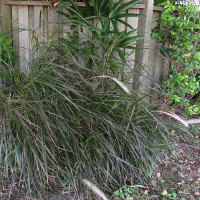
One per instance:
(45, 22)
(60, 25)
(24, 39)
(133, 21)
(31, 32)
(29, 3)
(38, 21)
(6, 13)
(52, 23)
(15, 27)
(66, 25)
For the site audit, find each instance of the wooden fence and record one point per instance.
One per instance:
(40, 17)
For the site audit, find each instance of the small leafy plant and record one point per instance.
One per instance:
(6, 50)
(126, 192)
(179, 34)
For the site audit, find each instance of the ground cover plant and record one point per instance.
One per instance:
(179, 35)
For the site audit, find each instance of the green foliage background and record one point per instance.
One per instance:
(179, 34)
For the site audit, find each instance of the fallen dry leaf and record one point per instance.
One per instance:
(188, 168)
(197, 194)
(164, 193)
(181, 150)
(181, 183)
(137, 197)
(158, 175)
(146, 191)
(173, 133)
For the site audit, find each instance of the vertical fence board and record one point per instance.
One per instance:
(23, 39)
(31, 32)
(65, 25)
(38, 21)
(133, 21)
(60, 25)
(6, 16)
(52, 26)
(45, 23)
(15, 27)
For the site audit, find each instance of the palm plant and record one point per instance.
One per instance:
(102, 19)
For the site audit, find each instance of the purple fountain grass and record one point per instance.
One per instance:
(186, 123)
(122, 85)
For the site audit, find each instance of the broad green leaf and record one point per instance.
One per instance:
(127, 15)
(63, 13)
(130, 40)
(130, 47)
(125, 23)
(121, 55)
(95, 5)
(89, 7)
(127, 6)
(115, 26)
(119, 3)
(96, 35)
(106, 25)
(111, 4)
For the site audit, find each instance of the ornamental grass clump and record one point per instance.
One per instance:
(61, 123)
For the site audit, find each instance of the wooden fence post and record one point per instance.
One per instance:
(143, 64)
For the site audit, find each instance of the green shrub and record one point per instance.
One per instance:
(162, 2)
(6, 50)
(179, 34)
